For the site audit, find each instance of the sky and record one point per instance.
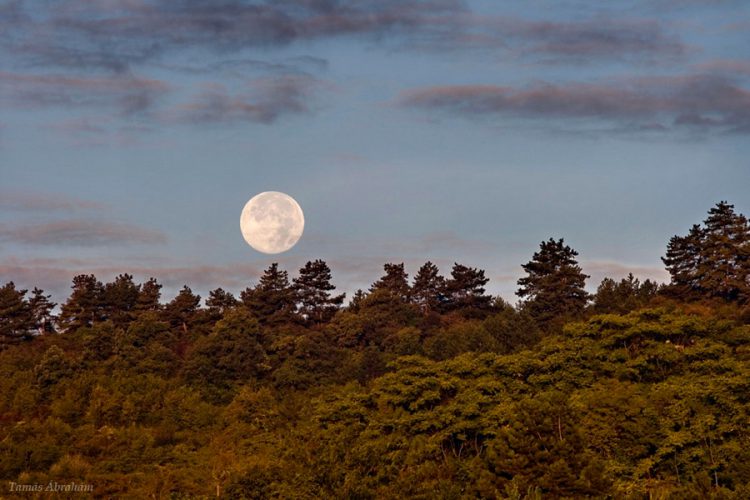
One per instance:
(132, 133)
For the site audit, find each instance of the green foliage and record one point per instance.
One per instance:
(234, 352)
(431, 391)
(649, 403)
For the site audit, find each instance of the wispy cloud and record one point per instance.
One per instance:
(261, 101)
(114, 35)
(697, 102)
(80, 232)
(117, 35)
(594, 39)
(35, 201)
(127, 94)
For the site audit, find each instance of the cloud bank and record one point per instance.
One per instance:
(705, 102)
(82, 232)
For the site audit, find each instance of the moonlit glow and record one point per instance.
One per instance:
(272, 222)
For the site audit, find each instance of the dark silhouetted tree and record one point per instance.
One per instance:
(220, 301)
(148, 296)
(428, 290)
(41, 311)
(621, 297)
(15, 315)
(120, 299)
(682, 261)
(85, 305)
(465, 290)
(712, 260)
(395, 281)
(724, 266)
(313, 289)
(273, 299)
(183, 309)
(554, 285)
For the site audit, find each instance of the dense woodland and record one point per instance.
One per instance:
(415, 388)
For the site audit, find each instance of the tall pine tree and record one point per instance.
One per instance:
(712, 260)
(428, 289)
(395, 281)
(683, 261)
(465, 289)
(182, 311)
(15, 315)
(85, 305)
(554, 285)
(120, 299)
(41, 311)
(220, 301)
(273, 299)
(313, 288)
(149, 294)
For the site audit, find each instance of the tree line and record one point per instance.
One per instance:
(712, 260)
(421, 387)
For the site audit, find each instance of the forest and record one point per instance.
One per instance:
(418, 387)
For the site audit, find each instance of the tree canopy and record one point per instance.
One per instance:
(428, 389)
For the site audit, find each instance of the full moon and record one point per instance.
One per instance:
(272, 222)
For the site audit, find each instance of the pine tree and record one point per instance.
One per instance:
(219, 301)
(149, 294)
(313, 289)
(621, 297)
(120, 299)
(16, 321)
(182, 310)
(683, 260)
(85, 306)
(724, 267)
(465, 289)
(713, 260)
(273, 299)
(554, 285)
(428, 289)
(41, 309)
(395, 281)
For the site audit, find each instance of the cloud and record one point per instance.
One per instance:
(698, 102)
(242, 67)
(598, 38)
(34, 201)
(729, 68)
(117, 35)
(127, 94)
(81, 233)
(261, 101)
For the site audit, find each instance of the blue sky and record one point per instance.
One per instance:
(132, 132)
